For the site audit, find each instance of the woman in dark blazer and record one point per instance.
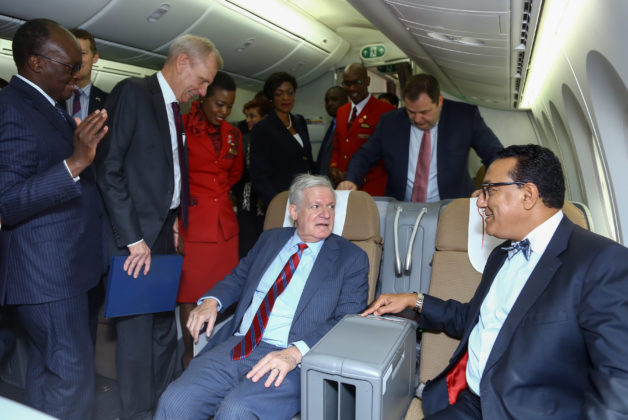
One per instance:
(280, 143)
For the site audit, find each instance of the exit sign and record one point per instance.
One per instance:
(373, 51)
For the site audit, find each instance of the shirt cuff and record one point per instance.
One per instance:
(303, 348)
(135, 243)
(210, 297)
(76, 179)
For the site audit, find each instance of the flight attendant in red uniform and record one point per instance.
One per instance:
(355, 122)
(216, 161)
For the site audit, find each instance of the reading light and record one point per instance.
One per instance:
(158, 13)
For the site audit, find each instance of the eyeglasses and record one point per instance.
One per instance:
(349, 83)
(73, 68)
(486, 186)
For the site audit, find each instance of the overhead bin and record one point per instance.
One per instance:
(255, 38)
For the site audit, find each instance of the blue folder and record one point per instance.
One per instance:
(147, 294)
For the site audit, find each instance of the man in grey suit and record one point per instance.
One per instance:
(50, 243)
(250, 368)
(142, 176)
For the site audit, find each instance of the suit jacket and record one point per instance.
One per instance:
(348, 140)
(337, 286)
(276, 156)
(561, 353)
(460, 128)
(97, 98)
(324, 153)
(134, 163)
(50, 244)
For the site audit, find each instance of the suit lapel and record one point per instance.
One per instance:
(267, 254)
(159, 108)
(320, 272)
(535, 285)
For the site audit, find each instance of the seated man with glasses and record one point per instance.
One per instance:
(545, 334)
(355, 122)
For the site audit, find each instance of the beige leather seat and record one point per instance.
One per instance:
(361, 226)
(453, 277)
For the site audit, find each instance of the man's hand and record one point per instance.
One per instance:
(178, 239)
(206, 312)
(278, 363)
(386, 304)
(86, 138)
(336, 175)
(139, 255)
(347, 185)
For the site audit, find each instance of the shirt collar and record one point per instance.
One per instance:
(85, 90)
(40, 90)
(166, 90)
(315, 247)
(541, 235)
(360, 105)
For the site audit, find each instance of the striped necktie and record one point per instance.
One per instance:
(76, 104)
(254, 335)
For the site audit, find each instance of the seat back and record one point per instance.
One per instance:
(361, 227)
(453, 277)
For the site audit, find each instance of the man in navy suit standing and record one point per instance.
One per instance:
(50, 242)
(250, 368)
(545, 335)
(425, 146)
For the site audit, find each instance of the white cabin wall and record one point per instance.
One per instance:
(583, 102)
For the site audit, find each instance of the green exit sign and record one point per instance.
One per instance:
(373, 51)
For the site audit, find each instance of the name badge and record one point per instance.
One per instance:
(364, 136)
(365, 125)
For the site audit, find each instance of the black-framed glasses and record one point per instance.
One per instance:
(74, 68)
(484, 187)
(349, 83)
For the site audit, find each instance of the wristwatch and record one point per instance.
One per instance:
(419, 302)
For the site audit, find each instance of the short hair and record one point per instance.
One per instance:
(275, 80)
(303, 182)
(390, 97)
(29, 39)
(422, 83)
(221, 81)
(336, 88)
(359, 66)
(196, 47)
(540, 166)
(263, 104)
(83, 34)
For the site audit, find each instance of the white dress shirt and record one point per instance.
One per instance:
(84, 98)
(501, 297)
(360, 106)
(416, 138)
(169, 98)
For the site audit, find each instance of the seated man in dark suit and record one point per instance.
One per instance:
(425, 146)
(51, 250)
(545, 335)
(239, 376)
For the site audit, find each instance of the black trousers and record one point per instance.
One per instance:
(146, 348)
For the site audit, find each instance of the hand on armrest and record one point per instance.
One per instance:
(206, 312)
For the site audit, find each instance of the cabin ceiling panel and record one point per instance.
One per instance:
(67, 12)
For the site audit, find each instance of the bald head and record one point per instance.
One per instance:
(356, 82)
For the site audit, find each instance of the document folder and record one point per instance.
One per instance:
(147, 294)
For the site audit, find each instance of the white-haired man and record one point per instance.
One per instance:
(142, 175)
(292, 287)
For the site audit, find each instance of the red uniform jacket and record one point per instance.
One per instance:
(348, 141)
(211, 178)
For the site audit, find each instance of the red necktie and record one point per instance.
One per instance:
(254, 335)
(183, 165)
(354, 114)
(422, 175)
(76, 104)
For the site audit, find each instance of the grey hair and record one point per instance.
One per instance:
(305, 181)
(196, 47)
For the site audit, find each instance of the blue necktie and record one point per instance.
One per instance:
(523, 246)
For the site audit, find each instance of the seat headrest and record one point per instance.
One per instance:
(356, 215)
